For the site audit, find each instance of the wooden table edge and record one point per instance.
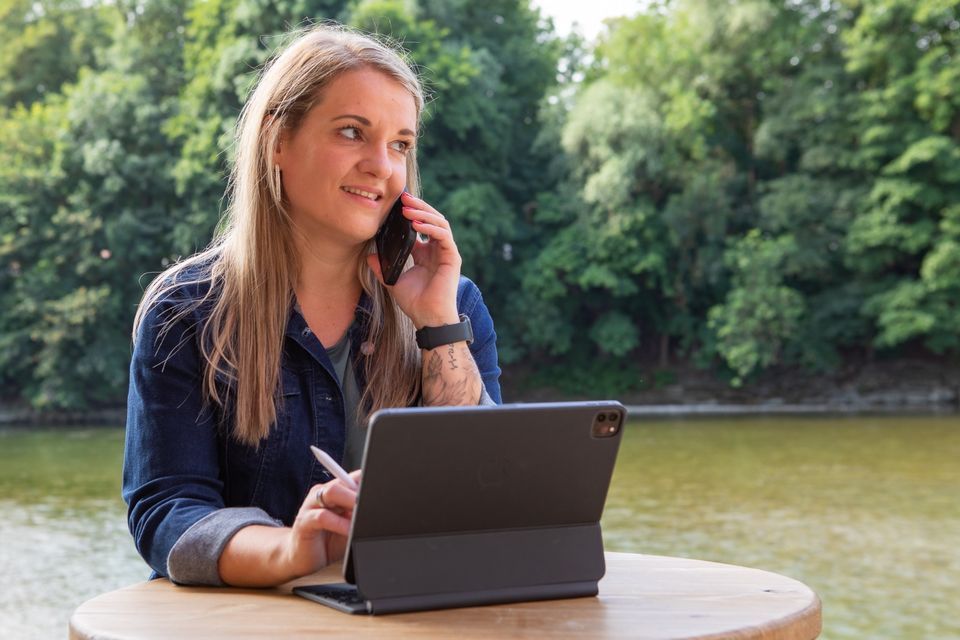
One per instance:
(805, 624)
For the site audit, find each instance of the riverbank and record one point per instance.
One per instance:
(18, 415)
(918, 386)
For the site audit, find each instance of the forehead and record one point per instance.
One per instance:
(371, 94)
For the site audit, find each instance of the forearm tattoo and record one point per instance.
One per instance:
(452, 358)
(451, 378)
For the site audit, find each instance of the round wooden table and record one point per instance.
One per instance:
(640, 597)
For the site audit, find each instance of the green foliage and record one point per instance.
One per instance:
(789, 168)
(760, 314)
(592, 378)
(118, 154)
(615, 333)
(908, 114)
(86, 204)
(750, 184)
(44, 44)
(479, 140)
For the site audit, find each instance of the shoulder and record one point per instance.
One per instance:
(189, 283)
(183, 294)
(469, 297)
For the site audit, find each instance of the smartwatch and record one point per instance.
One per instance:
(433, 337)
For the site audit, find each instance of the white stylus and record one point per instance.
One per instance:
(331, 465)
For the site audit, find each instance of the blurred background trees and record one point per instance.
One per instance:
(740, 185)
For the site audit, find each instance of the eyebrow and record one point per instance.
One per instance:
(366, 123)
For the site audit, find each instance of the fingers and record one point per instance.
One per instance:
(319, 499)
(427, 290)
(415, 209)
(329, 520)
(438, 236)
(431, 223)
(333, 495)
(426, 219)
(310, 522)
(327, 507)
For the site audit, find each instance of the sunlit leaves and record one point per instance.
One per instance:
(760, 314)
(90, 200)
(752, 183)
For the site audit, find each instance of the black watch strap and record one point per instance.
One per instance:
(433, 337)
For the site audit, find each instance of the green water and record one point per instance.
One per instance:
(864, 510)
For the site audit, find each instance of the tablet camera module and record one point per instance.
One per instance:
(606, 424)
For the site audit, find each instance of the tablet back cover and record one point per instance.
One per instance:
(482, 498)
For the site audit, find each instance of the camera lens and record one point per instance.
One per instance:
(605, 426)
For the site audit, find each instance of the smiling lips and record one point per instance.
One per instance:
(360, 192)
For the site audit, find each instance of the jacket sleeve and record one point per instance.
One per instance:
(172, 480)
(484, 346)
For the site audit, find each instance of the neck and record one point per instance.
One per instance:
(328, 290)
(328, 274)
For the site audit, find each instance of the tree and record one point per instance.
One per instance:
(122, 168)
(44, 44)
(88, 203)
(661, 141)
(909, 129)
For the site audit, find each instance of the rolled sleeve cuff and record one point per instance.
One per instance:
(195, 557)
(485, 399)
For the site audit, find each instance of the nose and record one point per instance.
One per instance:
(376, 162)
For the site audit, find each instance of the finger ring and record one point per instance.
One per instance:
(319, 498)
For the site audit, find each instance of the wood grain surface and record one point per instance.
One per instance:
(641, 596)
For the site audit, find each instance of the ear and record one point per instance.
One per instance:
(268, 123)
(278, 154)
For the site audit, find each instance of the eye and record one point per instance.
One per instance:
(403, 146)
(350, 133)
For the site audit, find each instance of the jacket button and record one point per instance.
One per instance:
(306, 332)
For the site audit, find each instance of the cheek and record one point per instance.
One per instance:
(312, 168)
(399, 176)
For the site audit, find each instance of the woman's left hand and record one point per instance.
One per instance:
(427, 292)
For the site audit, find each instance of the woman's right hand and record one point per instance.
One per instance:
(319, 533)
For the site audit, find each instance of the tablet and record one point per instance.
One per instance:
(474, 505)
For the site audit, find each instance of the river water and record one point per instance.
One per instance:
(864, 510)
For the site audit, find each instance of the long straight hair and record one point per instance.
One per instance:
(252, 263)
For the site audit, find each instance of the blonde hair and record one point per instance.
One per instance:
(252, 263)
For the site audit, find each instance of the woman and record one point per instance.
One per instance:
(283, 335)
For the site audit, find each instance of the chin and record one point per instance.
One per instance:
(367, 234)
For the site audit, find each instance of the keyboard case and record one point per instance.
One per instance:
(481, 505)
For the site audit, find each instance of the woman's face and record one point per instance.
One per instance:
(346, 163)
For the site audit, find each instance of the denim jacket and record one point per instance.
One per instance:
(188, 485)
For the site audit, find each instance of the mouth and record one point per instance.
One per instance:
(369, 195)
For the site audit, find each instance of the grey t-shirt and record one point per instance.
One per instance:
(340, 356)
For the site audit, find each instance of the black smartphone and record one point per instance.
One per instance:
(395, 239)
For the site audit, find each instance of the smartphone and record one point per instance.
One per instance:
(395, 239)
